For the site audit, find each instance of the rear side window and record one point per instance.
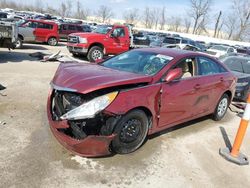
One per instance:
(207, 66)
(72, 27)
(44, 26)
(79, 28)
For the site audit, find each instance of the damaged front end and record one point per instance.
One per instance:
(79, 121)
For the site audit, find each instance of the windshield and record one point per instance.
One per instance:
(139, 62)
(239, 64)
(104, 29)
(220, 48)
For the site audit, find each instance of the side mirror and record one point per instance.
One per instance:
(173, 74)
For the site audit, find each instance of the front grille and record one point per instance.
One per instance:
(73, 39)
(5, 32)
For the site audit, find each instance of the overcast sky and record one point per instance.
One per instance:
(174, 7)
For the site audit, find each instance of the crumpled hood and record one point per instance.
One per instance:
(88, 77)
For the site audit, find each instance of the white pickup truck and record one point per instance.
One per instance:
(8, 34)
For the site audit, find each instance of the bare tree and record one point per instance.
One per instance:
(105, 13)
(81, 12)
(199, 11)
(151, 17)
(201, 27)
(175, 24)
(230, 25)
(217, 24)
(146, 17)
(187, 24)
(163, 18)
(131, 16)
(242, 11)
(62, 9)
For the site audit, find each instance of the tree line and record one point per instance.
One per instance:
(232, 24)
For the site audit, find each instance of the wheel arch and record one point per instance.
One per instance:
(21, 36)
(146, 111)
(229, 93)
(96, 44)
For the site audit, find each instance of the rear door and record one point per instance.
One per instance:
(120, 43)
(185, 98)
(43, 31)
(213, 75)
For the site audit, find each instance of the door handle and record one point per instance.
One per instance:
(197, 86)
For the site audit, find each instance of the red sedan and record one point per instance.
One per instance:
(96, 109)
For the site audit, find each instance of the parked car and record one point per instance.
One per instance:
(8, 34)
(141, 39)
(240, 66)
(37, 31)
(180, 41)
(94, 109)
(67, 28)
(3, 15)
(220, 50)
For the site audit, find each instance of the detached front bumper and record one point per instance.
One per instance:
(91, 146)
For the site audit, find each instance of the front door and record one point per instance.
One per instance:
(120, 43)
(184, 98)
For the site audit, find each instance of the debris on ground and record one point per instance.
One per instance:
(2, 123)
(52, 57)
(2, 88)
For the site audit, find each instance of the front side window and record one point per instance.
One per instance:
(139, 62)
(209, 67)
(119, 32)
(188, 66)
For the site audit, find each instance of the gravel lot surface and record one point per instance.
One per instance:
(31, 157)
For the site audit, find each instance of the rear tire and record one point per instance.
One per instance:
(95, 53)
(221, 108)
(52, 41)
(131, 132)
(19, 43)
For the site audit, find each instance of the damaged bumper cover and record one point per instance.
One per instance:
(90, 146)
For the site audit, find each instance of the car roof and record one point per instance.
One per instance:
(172, 52)
(42, 21)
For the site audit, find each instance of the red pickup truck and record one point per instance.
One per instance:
(105, 40)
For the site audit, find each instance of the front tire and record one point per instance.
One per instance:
(95, 53)
(221, 108)
(19, 43)
(52, 41)
(131, 132)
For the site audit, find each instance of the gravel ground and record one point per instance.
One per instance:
(31, 157)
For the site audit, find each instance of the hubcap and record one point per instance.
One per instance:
(96, 54)
(222, 108)
(18, 44)
(53, 41)
(130, 131)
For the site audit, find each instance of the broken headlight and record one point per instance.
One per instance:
(90, 108)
